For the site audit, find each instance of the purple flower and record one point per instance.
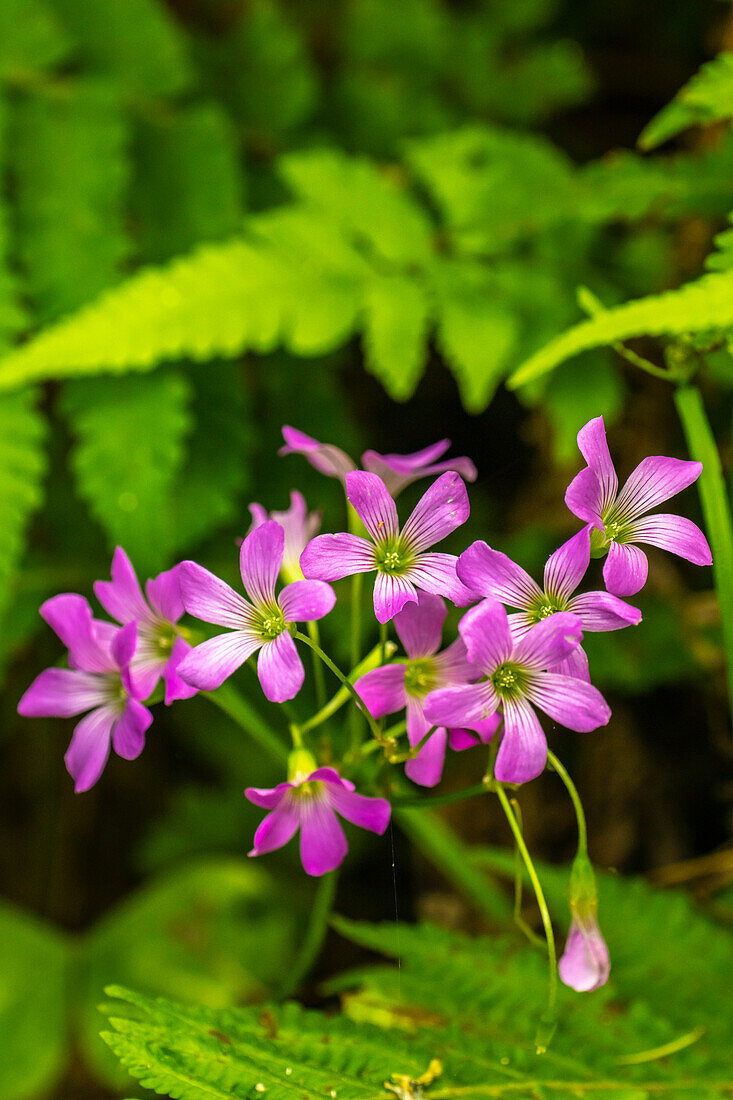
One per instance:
(310, 802)
(98, 682)
(585, 963)
(260, 625)
(299, 527)
(493, 574)
(394, 687)
(398, 556)
(516, 678)
(397, 471)
(160, 647)
(620, 519)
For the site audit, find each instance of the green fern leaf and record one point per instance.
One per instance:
(706, 98)
(22, 466)
(396, 317)
(129, 450)
(31, 38)
(696, 307)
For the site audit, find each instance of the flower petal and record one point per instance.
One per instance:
(208, 665)
(324, 457)
(575, 665)
(63, 692)
(128, 732)
(490, 573)
(322, 841)
(260, 558)
(523, 750)
(480, 733)
(453, 666)
(331, 557)
(655, 479)
(211, 599)
(585, 963)
(603, 611)
(87, 754)
(594, 449)
(391, 593)
(426, 768)
(280, 669)
(485, 631)
(436, 573)
(164, 594)
(124, 644)
(419, 625)
(383, 690)
(376, 509)
(566, 568)
(70, 616)
(268, 797)
(368, 813)
(549, 641)
(122, 597)
(398, 471)
(175, 686)
(569, 701)
(276, 829)
(584, 497)
(461, 705)
(442, 509)
(673, 533)
(306, 601)
(625, 569)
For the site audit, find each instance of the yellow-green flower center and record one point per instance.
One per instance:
(270, 622)
(544, 607)
(615, 529)
(508, 681)
(420, 676)
(393, 557)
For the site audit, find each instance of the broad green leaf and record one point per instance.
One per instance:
(396, 318)
(577, 392)
(31, 37)
(706, 98)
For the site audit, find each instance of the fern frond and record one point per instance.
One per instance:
(706, 98)
(396, 322)
(22, 467)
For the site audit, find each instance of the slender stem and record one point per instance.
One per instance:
(315, 934)
(438, 843)
(415, 750)
(344, 680)
(383, 632)
(318, 676)
(715, 506)
(231, 702)
(342, 695)
(357, 585)
(540, 896)
(575, 798)
(518, 883)
(437, 800)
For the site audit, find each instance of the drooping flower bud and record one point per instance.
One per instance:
(585, 963)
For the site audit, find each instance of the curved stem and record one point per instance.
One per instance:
(232, 703)
(342, 695)
(317, 666)
(315, 934)
(575, 798)
(344, 680)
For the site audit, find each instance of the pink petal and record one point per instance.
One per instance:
(128, 732)
(141, 677)
(480, 733)
(391, 593)
(306, 601)
(436, 573)
(655, 479)
(603, 611)
(87, 754)
(376, 509)
(276, 829)
(419, 625)
(331, 557)
(462, 705)
(260, 558)
(322, 841)
(485, 631)
(70, 616)
(383, 690)
(280, 669)
(442, 509)
(398, 471)
(594, 449)
(63, 692)
(211, 599)
(453, 666)
(268, 797)
(175, 687)
(124, 644)
(566, 568)
(625, 569)
(585, 963)
(427, 767)
(523, 750)
(164, 594)
(575, 665)
(324, 457)
(122, 597)
(569, 701)
(549, 641)
(368, 813)
(584, 497)
(330, 775)
(208, 665)
(491, 573)
(673, 533)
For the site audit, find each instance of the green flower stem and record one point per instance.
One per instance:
(315, 934)
(318, 676)
(575, 798)
(715, 506)
(519, 920)
(401, 758)
(438, 799)
(231, 702)
(383, 631)
(344, 680)
(357, 587)
(547, 1023)
(343, 695)
(438, 843)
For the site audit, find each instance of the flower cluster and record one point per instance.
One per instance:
(483, 688)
